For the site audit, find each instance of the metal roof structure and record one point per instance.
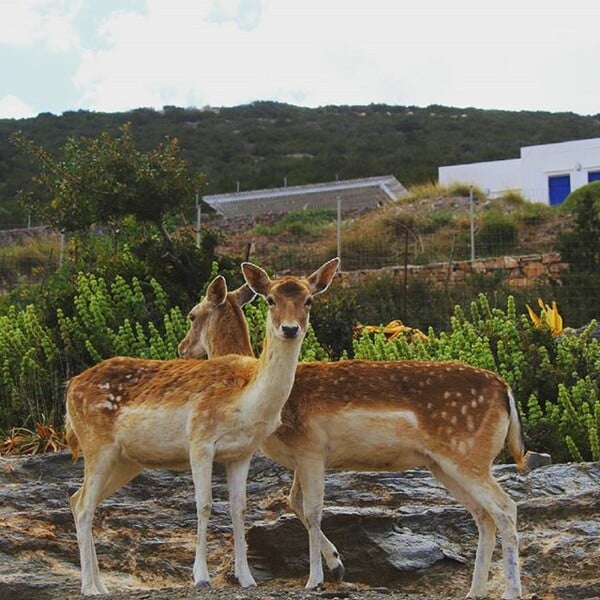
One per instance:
(368, 192)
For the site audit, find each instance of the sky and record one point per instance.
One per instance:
(111, 55)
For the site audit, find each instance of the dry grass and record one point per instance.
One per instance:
(42, 438)
(431, 224)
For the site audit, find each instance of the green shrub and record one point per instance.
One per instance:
(513, 198)
(21, 262)
(31, 369)
(36, 360)
(574, 201)
(497, 235)
(115, 319)
(464, 190)
(580, 246)
(534, 213)
(434, 222)
(361, 250)
(308, 223)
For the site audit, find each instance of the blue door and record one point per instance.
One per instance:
(593, 176)
(559, 187)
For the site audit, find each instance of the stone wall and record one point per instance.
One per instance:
(13, 237)
(518, 271)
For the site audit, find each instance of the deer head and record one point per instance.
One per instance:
(217, 325)
(289, 298)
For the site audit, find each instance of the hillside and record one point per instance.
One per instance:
(438, 229)
(260, 144)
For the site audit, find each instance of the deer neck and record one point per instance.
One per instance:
(229, 343)
(276, 369)
(228, 334)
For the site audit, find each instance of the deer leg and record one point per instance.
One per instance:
(485, 527)
(312, 481)
(503, 511)
(237, 475)
(328, 549)
(98, 470)
(83, 514)
(201, 461)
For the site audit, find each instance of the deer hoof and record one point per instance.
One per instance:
(338, 572)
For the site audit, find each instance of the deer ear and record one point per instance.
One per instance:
(243, 295)
(319, 281)
(256, 278)
(216, 292)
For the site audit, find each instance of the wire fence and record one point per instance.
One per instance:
(414, 264)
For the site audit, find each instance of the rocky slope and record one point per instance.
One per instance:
(400, 535)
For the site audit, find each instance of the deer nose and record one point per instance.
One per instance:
(290, 331)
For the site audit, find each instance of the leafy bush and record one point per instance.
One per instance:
(574, 201)
(21, 262)
(496, 236)
(580, 246)
(307, 223)
(107, 319)
(434, 222)
(533, 213)
(114, 320)
(513, 198)
(464, 190)
(366, 249)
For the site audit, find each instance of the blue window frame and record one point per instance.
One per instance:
(559, 187)
(593, 176)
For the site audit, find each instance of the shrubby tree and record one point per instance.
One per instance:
(580, 246)
(107, 183)
(104, 179)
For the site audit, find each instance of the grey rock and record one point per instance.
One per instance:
(398, 532)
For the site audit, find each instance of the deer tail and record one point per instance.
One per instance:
(71, 438)
(514, 436)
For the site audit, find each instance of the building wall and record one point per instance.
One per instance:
(492, 177)
(576, 159)
(530, 173)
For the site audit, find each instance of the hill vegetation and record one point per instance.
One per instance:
(260, 144)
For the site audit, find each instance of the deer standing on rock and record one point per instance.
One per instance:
(449, 417)
(129, 414)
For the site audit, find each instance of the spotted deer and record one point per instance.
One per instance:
(129, 414)
(451, 418)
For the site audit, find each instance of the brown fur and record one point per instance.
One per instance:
(126, 414)
(452, 401)
(391, 415)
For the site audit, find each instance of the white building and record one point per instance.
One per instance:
(546, 173)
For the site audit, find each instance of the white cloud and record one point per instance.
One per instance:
(246, 13)
(495, 54)
(12, 107)
(49, 22)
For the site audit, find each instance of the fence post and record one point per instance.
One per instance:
(62, 249)
(198, 219)
(339, 230)
(472, 222)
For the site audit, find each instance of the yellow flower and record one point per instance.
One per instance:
(548, 315)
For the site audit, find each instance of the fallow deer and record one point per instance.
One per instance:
(128, 414)
(449, 417)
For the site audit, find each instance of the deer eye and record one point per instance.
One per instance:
(270, 301)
